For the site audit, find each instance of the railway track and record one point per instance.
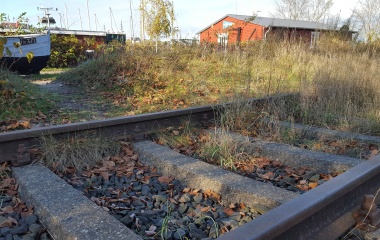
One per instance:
(321, 213)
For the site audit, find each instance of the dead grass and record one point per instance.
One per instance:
(77, 152)
(337, 80)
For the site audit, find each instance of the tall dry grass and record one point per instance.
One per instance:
(337, 80)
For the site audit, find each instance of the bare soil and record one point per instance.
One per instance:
(75, 100)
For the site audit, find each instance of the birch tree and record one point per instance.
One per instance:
(367, 14)
(159, 18)
(308, 10)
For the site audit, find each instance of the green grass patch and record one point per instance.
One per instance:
(21, 99)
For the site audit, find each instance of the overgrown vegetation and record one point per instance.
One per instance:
(21, 99)
(69, 51)
(337, 80)
(77, 152)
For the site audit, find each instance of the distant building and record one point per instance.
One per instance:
(232, 29)
(101, 37)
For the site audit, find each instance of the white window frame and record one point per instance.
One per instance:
(223, 39)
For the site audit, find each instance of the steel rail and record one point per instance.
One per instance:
(110, 128)
(117, 127)
(324, 212)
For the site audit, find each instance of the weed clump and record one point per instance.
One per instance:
(75, 152)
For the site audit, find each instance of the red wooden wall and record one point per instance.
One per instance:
(247, 28)
(211, 34)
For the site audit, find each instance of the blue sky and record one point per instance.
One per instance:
(192, 15)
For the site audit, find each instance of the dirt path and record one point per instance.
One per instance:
(73, 101)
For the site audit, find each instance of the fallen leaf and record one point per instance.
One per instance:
(302, 182)
(6, 223)
(313, 185)
(7, 209)
(150, 233)
(165, 179)
(12, 193)
(277, 163)
(105, 175)
(28, 212)
(212, 195)
(108, 164)
(268, 175)
(145, 179)
(303, 187)
(242, 206)
(205, 209)
(228, 211)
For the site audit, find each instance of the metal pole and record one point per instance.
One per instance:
(88, 13)
(80, 17)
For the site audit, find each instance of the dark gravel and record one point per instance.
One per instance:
(17, 220)
(156, 206)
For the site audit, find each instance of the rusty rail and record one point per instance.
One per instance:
(322, 213)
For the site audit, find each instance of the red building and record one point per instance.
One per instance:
(232, 29)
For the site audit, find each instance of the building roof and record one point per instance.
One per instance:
(78, 32)
(277, 22)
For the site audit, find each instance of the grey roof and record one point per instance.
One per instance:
(278, 22)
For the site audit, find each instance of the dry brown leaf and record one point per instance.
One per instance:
(242, 206)
(228, 211)
(165, 179)
(268, 175)
(262, 162)
(277, 163)
(108, 164)
(326, 177)
(145, 179)
(105, 175)
(205, 209)
(186, 190)
(11, 193)
(28, 212)
(303, 182)
(7, 209)
(205, 138)
(7, 182)
(196, 190)
(6, 223)
(176, 133)
(212, 195)
(313, 185)
(150, 233)
(87, 174)
(128, 151)
(129, 174)
(303, 187)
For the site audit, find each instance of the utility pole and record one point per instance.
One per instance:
(46, 10)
